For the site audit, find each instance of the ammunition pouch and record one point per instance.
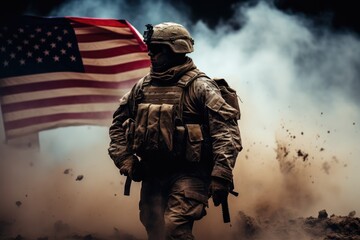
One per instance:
(155, 129)
(129, 127)
(194, 142)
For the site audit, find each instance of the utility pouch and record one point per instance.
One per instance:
(140, 126)
(167, 126)
(129, 127)
(194, 142)
(154, 128)
(229, 95)
(152, 135)
(179, 142)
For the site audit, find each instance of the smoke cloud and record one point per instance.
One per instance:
(298, 86)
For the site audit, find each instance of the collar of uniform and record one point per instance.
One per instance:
(173, 74)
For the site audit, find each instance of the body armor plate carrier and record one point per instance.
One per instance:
(158, 122)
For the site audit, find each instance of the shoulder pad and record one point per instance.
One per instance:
(190, 76)
(146, 80)
(124, 99)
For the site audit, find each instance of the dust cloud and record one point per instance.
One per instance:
(73, 191)
(300, 127)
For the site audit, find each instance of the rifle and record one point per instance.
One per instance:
(128, 181)
(225, 207)
(127, 186)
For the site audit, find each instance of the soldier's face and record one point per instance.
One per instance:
(161, 57)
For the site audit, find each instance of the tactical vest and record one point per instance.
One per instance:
(158, 125)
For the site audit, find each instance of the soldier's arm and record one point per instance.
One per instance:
(117, 148)
(224, 130)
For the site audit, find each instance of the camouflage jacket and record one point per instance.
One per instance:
(203, 104)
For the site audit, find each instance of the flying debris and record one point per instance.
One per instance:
(302, 154)
(352, 214)
(323, 214)
(79, 177)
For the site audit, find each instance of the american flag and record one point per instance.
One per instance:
(65, 71)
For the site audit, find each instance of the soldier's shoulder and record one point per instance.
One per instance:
(205, 81)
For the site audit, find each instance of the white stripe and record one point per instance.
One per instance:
(102, 29)
(70, 108)
(102, 45)
(115, 60)
(21, 97)
(43, 77)
(61, 123)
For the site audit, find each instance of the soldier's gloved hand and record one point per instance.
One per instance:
(219, 190)
(131, 167)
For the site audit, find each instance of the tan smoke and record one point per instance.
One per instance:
(82, 194)
(293, 179)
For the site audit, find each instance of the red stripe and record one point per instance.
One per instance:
(99, 21)
(57, 84)
(117, 68)
(58, 101)
(56, 117)
(116, 51)
(102, 37)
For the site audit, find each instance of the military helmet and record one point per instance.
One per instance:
(172, 34)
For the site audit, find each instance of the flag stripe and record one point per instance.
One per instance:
(35, 127)
(17, 98)
(116, 68)
(74, 83)
(111, 52)
(102, 37)
(114, 43)
(45, 111)
(56, 117)
(118, 59)
(49, 85)
(65, 100)
(80, 21)
(70, 75)
(82, 30)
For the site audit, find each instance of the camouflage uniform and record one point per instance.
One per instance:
(174, 191)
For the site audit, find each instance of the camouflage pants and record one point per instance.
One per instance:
(168, 207)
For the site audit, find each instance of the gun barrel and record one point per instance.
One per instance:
(127, 186)
(225, 211)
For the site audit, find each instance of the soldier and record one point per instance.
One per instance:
(176, 134)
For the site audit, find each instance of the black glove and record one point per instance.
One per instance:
(131, 167)
(219, 190)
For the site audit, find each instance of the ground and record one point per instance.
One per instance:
(322, 227)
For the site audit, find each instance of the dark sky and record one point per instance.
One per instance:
(338, 15)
